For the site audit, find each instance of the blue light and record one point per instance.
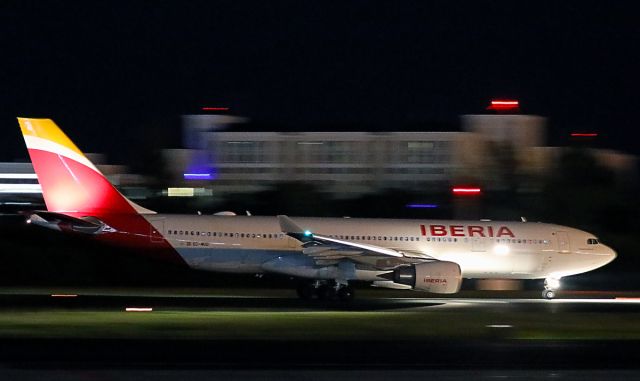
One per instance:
(307, 233)
(425, 206)
(198, 176)
(200, 167)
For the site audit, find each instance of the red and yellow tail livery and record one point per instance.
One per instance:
(71, 184)
(81, 199)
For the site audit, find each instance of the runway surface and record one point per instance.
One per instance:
(312, 374)
(118, 300)
(182, 335)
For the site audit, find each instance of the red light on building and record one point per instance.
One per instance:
(584, 134)
(215, 109)
(504, 105)
(466, 191)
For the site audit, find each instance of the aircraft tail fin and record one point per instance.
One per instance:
(70, 183)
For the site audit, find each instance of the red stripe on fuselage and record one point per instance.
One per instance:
(135, 232)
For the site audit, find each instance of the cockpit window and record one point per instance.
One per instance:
(592, 241)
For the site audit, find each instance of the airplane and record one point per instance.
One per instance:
(326, 254)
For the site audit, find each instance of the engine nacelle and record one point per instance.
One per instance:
(437, 277)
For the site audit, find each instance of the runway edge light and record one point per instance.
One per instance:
(138, 309)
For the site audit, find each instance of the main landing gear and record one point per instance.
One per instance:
(324, 290)
(550, 287)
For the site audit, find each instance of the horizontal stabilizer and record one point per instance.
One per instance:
(63, 222)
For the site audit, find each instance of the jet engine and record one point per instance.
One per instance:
(439, 277)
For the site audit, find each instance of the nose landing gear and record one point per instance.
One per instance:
(550, 287)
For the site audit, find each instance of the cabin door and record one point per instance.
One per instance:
(563, 242)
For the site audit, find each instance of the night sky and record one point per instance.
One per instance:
(117, 75)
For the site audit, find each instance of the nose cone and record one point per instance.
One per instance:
(610, 254)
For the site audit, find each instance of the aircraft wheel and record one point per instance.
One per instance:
(548, 294)
(346, 294)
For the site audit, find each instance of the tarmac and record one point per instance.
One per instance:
(496, 353)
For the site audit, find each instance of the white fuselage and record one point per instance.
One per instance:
(482, 249)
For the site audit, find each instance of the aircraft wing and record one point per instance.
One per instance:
(325, 249)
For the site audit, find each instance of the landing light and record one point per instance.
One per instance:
(552, 283)
(307, 233)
